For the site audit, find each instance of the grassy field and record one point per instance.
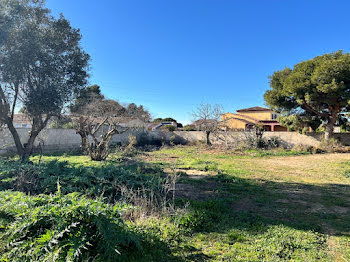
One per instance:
(230, 206)
(268, 206)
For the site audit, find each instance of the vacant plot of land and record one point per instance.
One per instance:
(243, 206)
(275, 206)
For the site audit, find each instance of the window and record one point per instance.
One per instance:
(273, 116)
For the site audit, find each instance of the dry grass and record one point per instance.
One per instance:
(314, 169)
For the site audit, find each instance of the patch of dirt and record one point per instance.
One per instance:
(201, 191)
(284, 201)
(317, 208)
(340, 210)
(298, 192)
(191, 173)
(195, 192)
(244, 204)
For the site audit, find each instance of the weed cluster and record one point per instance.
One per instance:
(63, 228)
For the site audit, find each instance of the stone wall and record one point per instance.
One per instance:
(64, 140)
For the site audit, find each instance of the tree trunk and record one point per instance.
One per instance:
(28, 147)
(16, 138)
(329, 128)
(84, 142)
(208, 138)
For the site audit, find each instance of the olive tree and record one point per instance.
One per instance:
(41, 66)
(318, 90)
(96, 123)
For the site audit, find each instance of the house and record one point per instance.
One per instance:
(247, 118)
(22, 121)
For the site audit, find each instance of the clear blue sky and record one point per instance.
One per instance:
(171, 55)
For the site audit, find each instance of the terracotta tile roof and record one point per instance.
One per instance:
(22, 119)
(255, 108)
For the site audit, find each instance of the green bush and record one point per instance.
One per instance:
(190, 128)
(145, 139)
(202, 216)
(63, 228)
(170, 128)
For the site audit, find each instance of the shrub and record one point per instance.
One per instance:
(63, 228)
(190, 128)
(331, 145)
(302, 148)
(201, 216)
(254, 141)
(146, 139)
(272, 142)
(130, 149)
(170, 128)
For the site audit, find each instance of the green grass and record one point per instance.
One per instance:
(279, 203)
(254, 205)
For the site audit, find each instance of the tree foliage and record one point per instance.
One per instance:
(167, 119)
(316, 89)
(300, 123)
(138, 111)
(41, 65)
(86, 96)
(92, 95)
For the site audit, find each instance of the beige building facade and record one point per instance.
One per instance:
(247, 118)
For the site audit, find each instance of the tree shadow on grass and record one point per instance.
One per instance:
(237, 202)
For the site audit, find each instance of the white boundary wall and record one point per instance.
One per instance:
(64, 140)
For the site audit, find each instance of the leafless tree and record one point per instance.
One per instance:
(96, 123)
(207, 118)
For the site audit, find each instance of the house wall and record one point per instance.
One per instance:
(258, 115)
(233, 123)
(280, 129)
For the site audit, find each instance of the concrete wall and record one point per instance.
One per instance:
(58, 140)
(63, 140)
(288, 138)
(54, 140)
